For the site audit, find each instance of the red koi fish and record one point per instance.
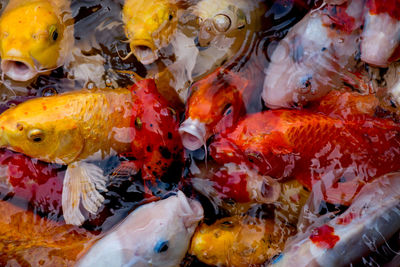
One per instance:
(380, 37)
(156, 144)
(32, 181)
(215, 105)
(368, 223)
(312, 148)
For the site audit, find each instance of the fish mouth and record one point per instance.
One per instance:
(263, 189)
(18, 70)
(144, 51)
(193, 134)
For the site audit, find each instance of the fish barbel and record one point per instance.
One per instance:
(82, 126)
(149, 26)
(36, 37)
(312, 148)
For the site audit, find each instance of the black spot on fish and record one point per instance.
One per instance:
(149, 149)
(165, 152)
(169, 135)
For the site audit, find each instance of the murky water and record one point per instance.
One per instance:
(99, 30)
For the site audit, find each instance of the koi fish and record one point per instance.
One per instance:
(392, 79)
(77, 128)
(372, 218)
(28, 239)
(215, 105)
(36, 37)
(149, 27)
(156, 234)
(239, 241)
(32, 181)
(312, 148)
(226, 28)
(316, 55)
(380, 36)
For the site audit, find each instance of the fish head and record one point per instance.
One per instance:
(31, 40)
(40, 130)
(219, 21)
(149, 26)
(216, 102)
(156, 234)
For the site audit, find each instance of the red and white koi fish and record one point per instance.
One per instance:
(314, 56)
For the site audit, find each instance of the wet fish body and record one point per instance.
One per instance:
(380, 36)
(156, 234)
(373, 217)
(28, 239)
(226, 28)
(77, 128)
(239, 241)
(215, 105)
(312, 148)
(149, 26)
(36, 37)
(315, 55)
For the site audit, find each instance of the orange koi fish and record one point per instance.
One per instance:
(215, 105)
(27, 239)
(312, 148)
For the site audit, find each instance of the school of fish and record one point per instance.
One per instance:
(200, 133)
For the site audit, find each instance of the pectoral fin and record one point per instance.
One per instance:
(82, 182)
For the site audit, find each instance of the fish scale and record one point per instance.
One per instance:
(312, 147)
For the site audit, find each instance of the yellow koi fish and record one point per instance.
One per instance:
(239, 241)
(225, 30)
(71, 129)
(149, 26)
(36, 36)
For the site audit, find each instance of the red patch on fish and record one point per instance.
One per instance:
(156, 142)
(34, 181)
(348, 218)
(313, 148)
(232, 184)
(217, 100)
(324, 237)
(339, 18)
(392, 7)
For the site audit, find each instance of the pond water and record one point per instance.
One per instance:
(33, 232)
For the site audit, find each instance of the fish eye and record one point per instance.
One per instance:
(222, 22)
(36, 135)
(227, 224)
(170, 17)
(161, 246)
(53, 33)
